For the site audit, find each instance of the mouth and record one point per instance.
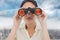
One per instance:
(29, 18)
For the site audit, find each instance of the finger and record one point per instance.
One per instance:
(43, 13)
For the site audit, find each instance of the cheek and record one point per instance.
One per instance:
(25, 17)
(33, 16)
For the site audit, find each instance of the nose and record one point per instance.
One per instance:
(29, 13)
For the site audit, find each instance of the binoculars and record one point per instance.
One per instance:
(24, 11)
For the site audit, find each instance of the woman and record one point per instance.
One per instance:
(30, 31)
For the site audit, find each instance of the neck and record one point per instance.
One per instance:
(31, 26)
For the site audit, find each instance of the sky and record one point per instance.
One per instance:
(8, 8)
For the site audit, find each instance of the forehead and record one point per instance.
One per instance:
(28, 4)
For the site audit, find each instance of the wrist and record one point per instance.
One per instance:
(14, 28)
(16, 24)
(43, 24)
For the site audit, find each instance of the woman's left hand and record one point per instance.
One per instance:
(42, 17)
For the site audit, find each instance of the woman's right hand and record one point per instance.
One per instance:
(17, 20)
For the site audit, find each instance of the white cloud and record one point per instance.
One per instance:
(5, 22)
(53, 24)
(49, 6)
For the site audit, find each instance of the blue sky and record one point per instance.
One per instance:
(9, 4)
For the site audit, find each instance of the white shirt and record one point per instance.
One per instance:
(22, 33)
